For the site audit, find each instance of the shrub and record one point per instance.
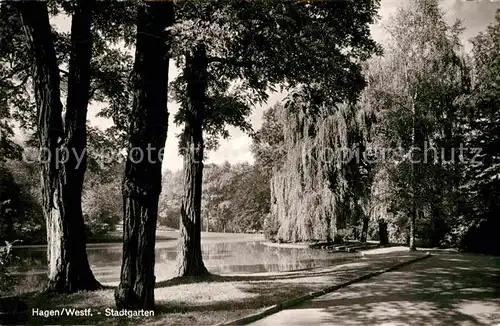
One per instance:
(7, 280)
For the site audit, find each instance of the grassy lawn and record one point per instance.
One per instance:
(212, 300)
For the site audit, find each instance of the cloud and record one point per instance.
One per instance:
(235, 150)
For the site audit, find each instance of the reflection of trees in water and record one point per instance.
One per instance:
(36, 257)
(228, 257)
(166, 255)
(29, 281)
(256, 257)
(282, 259)
(105, 256)
(165, 263)
(29, 260)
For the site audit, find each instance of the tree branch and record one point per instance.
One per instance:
(15, 72)
(231, 61)
(94, 89)
(14, 87)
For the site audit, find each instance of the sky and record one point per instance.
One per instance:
(475, 16)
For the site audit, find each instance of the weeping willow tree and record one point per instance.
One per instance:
(314, 195)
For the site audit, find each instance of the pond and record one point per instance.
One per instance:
(222, 254)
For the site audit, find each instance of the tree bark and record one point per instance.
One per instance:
(382, 232)
(7, 219)
(148, 132)
(189, 257)
(61, 172)
(364, 230)
(413, 215)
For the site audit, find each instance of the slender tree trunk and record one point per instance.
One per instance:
(382, 232)
(413, 216)
(148, 133)
(364, 230)
(189, 258)
(61, 169)
(413, 213)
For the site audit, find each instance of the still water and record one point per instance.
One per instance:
(222, 254)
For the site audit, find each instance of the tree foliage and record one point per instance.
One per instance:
(20, 185)
(235, 198)
(425, 110)
(416, 92)
(480, 193)
(231, 52)
(314, 192)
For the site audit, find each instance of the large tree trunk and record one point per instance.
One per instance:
(77, 273)
(148, 133)
(189, 258)
(62, 177)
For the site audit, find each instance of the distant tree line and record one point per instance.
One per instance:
(235, 198)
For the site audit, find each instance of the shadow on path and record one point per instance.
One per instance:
(351, 266)
(447, 289)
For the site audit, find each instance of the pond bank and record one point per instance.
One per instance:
(352, 246)
(218, 298)
(116, 237)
